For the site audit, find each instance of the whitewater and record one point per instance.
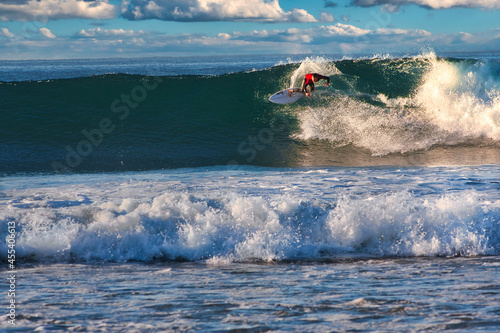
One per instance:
(140, 202)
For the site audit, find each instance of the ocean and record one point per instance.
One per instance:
(169, 194)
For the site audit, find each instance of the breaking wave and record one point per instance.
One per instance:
(120, 122)
(245, 215)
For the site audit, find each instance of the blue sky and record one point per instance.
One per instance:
(52, 29)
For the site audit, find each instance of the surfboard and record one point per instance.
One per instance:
(283, 97)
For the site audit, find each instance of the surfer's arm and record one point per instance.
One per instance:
(322, 77)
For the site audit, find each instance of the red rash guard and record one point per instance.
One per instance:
(309, 79)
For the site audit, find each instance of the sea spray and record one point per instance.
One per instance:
(455, 103)
(320, 65)
(462, 98)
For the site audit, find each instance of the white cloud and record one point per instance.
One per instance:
(328, 38)
(335, 38)
(406, 32)
(46, 33)
(466, 37)
(6, 33)
(393, 5)
(224, 35)
(326, 17)
(44, 10)
(99, 32)
(342, 30)
(212, 10)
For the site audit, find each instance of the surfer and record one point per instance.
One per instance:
(307, 86)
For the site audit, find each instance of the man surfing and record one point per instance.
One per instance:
(307, 86)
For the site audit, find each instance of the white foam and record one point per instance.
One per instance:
(348, 121)
(462, 98)
(456, 103)
(233, 219)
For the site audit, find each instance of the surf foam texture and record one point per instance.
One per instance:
(244, 215)
(402, 105)
(120, 122)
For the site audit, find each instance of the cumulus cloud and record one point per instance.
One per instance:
(393, 5)
(212, 10)
(6, 33)
(326, 17)
(43, 10)
(342, 30)
(46, 33)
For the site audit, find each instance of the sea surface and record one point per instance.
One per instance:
(169, 194)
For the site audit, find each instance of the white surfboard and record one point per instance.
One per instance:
(283, 97)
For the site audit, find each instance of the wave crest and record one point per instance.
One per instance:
(453, 103)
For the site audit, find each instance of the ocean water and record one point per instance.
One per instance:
(169, 194)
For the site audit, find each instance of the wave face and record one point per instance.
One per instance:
(387, 109)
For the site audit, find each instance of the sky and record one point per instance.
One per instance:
(67, 29)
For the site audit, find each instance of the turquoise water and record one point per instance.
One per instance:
(399, 110)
